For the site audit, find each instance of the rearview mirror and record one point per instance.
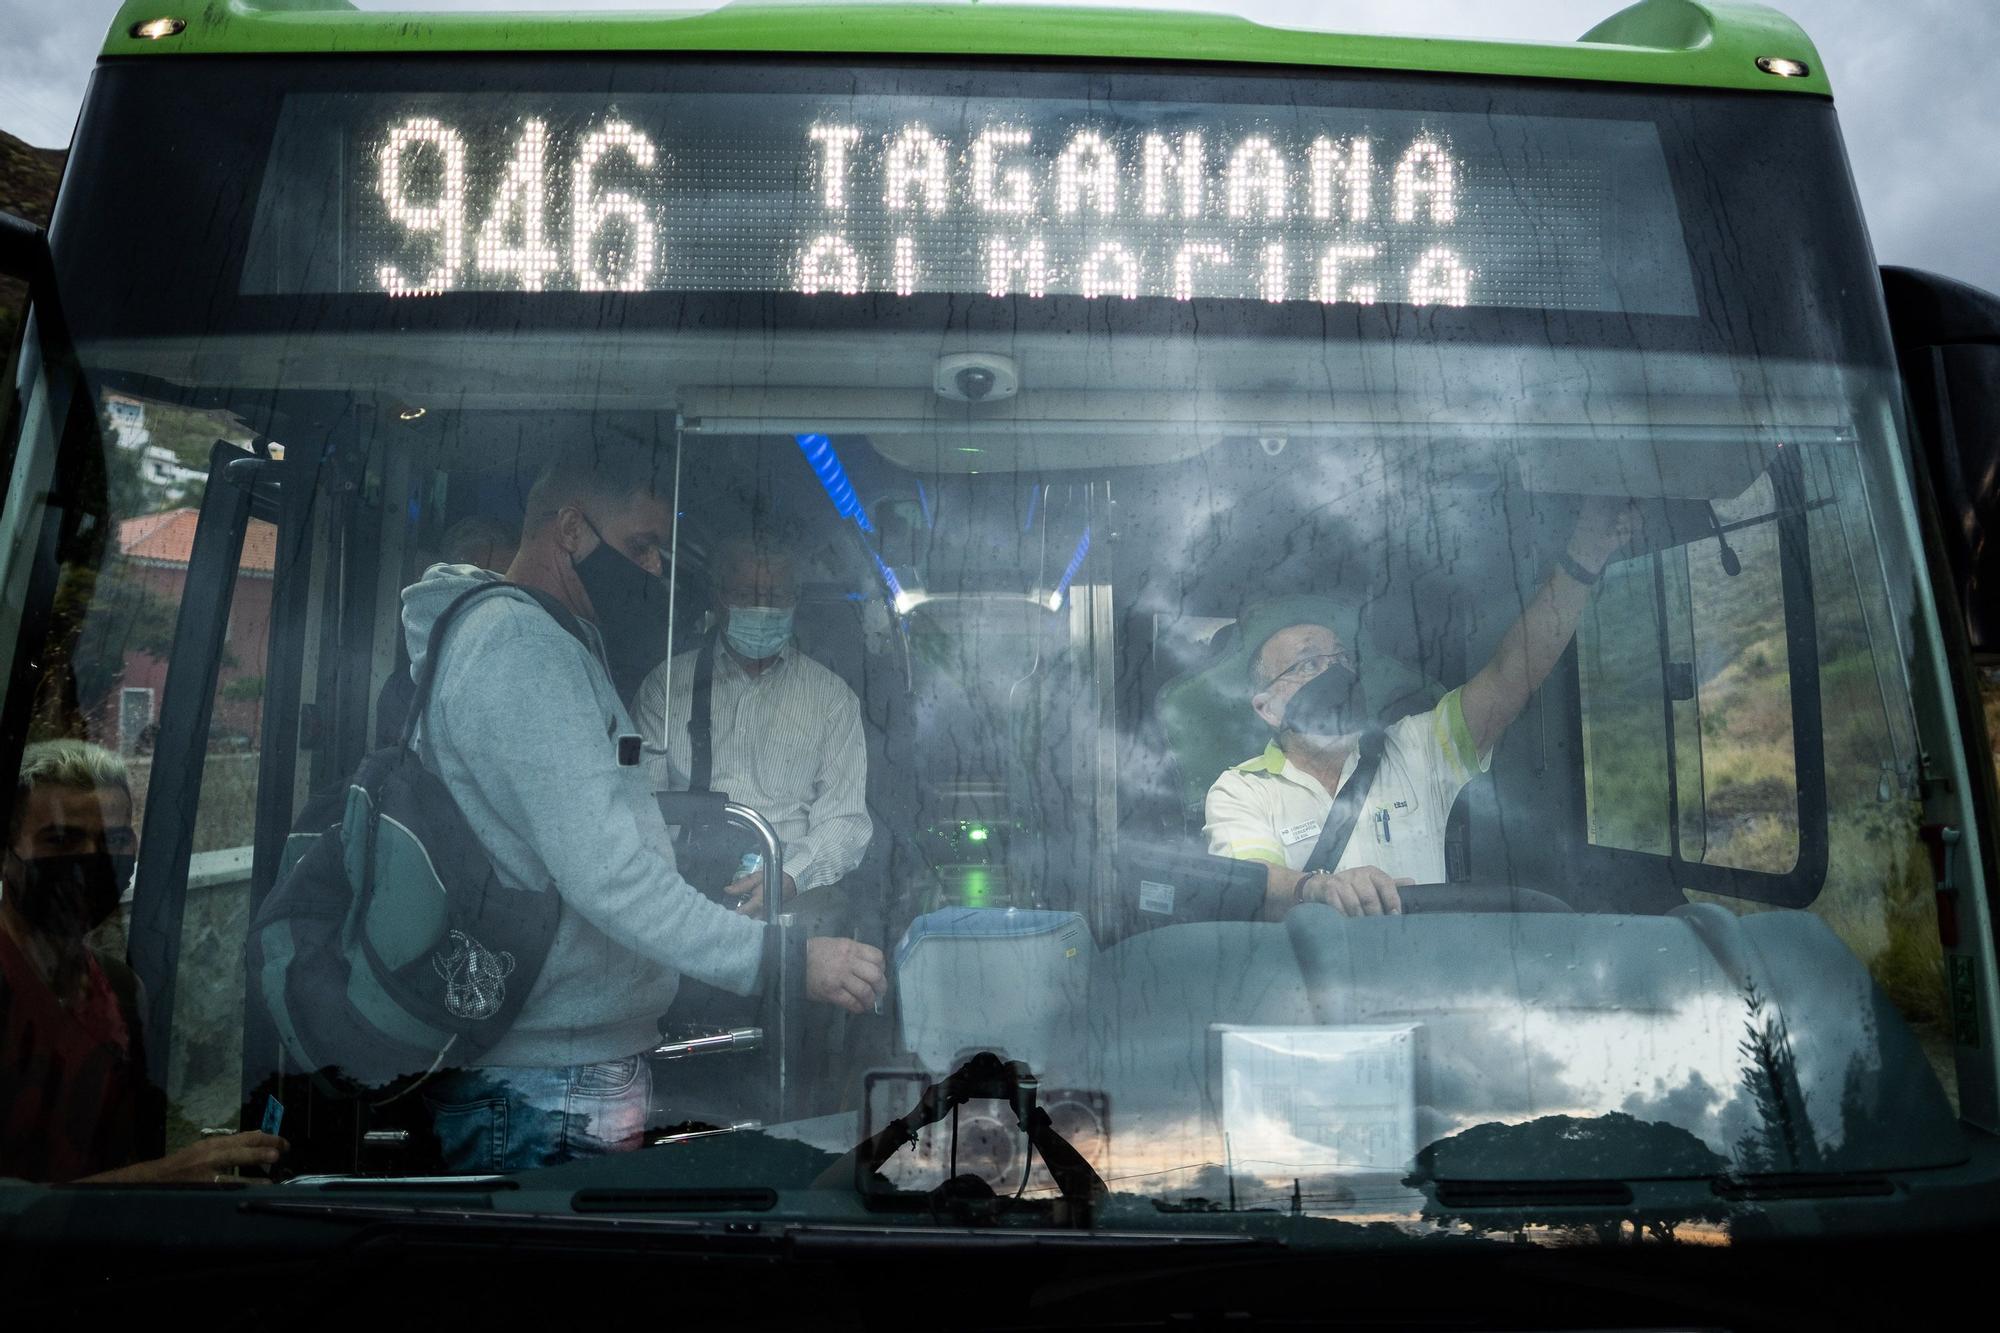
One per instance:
(1948, 341)
(24, 249)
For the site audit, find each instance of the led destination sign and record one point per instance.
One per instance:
(1003, 197)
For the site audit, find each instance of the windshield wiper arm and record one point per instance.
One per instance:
(1802, 1185)
(431, 1215)
(835, 1238)
(802, 1236)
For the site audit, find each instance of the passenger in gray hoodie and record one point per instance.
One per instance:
(522, 728)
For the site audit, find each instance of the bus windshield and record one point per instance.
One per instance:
(1301, 643)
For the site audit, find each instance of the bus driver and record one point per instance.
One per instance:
(1272, 808)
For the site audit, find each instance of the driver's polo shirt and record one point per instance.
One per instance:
(1271, 810)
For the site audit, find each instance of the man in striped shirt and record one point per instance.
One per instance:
(1272, 808)
(785, 731)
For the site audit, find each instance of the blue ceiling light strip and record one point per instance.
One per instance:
(890, 582)
(1075, 563)
(924, 501)
(825, 464)
(1034, 498)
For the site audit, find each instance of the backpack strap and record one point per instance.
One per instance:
(1338, 831)
(701, 717)
(434, 650)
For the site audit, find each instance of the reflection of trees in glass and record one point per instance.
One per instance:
(126, 490)
(244, 689)
(1877, 895)
(106, 613)
(1989, 688)
(1558, 1149)
(1782, 1139)
(28, 177)
(1889, 1107)
(1503, 1178)
(102, 609)
(96, 612)
(188, 433)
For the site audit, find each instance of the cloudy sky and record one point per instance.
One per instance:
(1914, 80)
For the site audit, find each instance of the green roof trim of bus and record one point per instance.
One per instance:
(1670, 42)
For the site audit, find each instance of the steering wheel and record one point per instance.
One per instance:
(1475, 896)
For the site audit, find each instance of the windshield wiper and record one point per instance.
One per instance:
(801, 1237)
(1520, 1193)
(454, 1184)
(1618, 1193)
(837, 1237)
(433, 1215)
(1802, 1185)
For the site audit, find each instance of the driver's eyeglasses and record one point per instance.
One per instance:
(1308, 667)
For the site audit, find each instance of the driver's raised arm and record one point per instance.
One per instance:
(1494, 697)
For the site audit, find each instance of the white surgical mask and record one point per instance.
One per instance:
(758, 632)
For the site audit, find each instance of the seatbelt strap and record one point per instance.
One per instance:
(1338, 831)
(701, 717)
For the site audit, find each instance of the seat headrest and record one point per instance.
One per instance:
(1205, 714)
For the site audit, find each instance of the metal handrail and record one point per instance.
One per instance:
(774, 891)
(736, 1039)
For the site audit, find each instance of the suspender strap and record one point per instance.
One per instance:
(701, 717)
(1338, 831)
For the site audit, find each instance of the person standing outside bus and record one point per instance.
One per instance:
(1272, 808)
(523, 729)
(75, 1102)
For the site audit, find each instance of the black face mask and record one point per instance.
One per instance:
(1332, 703)
(631, 607)
(65, 897)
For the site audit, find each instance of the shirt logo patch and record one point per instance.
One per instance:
(1298, 833)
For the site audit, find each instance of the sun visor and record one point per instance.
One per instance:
(1690, 469)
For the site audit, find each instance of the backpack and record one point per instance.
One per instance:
(388, 943)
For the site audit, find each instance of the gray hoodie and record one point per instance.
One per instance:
(522, 727)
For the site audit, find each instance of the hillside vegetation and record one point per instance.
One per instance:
(1734, 737)
(28, 179)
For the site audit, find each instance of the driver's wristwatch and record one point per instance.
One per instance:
(1572, 567)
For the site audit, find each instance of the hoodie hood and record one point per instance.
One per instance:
(426, 599)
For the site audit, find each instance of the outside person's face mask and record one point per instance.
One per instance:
(631, 606)
(1330, 705)
(758, 632)
(66, 897)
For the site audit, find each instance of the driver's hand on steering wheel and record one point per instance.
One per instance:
(1362, 891)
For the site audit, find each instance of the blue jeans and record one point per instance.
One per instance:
(516, 1119)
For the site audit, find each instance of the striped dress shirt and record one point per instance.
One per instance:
(786, 742)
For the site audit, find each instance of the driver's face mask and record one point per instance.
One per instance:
(1331, 705)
